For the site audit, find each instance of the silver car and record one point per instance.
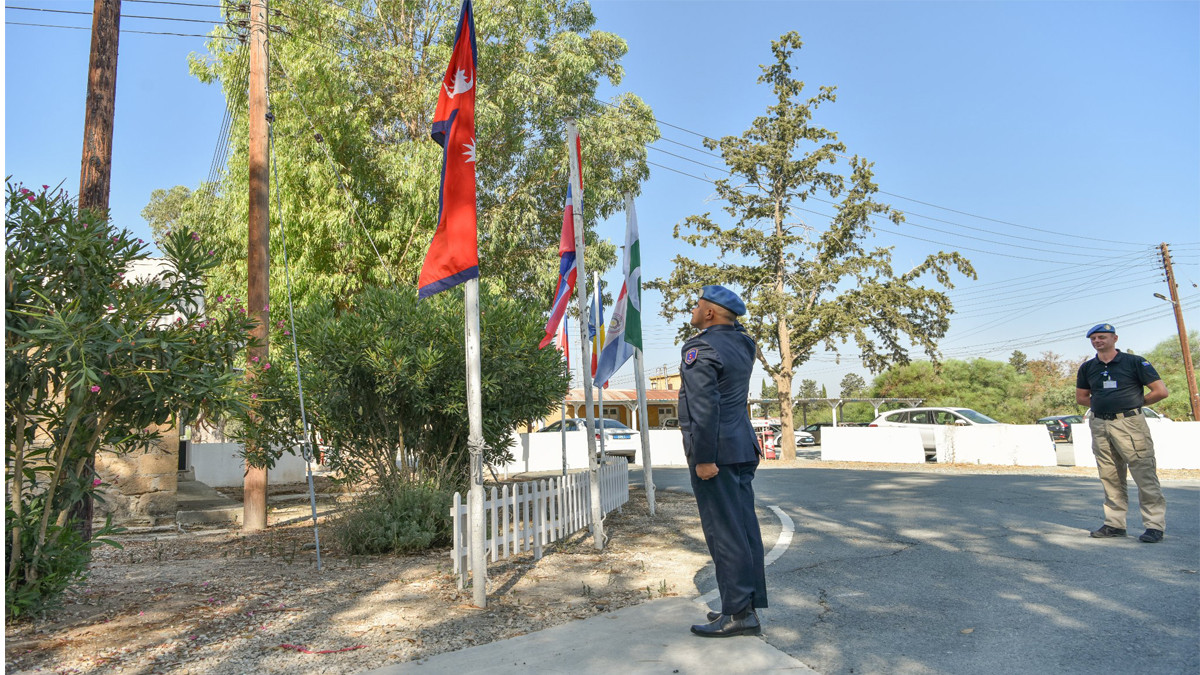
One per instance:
(926, 420)
(619, 440)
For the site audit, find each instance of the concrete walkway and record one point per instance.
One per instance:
(652, 637)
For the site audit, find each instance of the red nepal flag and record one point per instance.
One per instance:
(567, 270)
(453, 255)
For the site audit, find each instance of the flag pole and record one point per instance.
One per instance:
(647, 466)
(639, 367)
(585, 350)
(475, 444)
(600, 389)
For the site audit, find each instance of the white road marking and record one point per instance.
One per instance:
(780, 547)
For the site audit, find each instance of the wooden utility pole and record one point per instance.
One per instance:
(258, 259)
(95, 174)
(1188, 369)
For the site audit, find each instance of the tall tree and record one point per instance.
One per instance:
(769, 394)
(807, 284)
(1019, 361)
(354, 85)
(165, 209)
(853, 385)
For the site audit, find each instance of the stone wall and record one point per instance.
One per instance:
(140, 487)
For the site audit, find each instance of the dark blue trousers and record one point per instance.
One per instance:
(726, 504)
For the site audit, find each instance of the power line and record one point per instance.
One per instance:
(899, 196)
(123, 16)
(123, 30)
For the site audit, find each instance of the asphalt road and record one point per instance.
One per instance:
(907, 572)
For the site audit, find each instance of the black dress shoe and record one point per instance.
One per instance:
(713, 616)
(727, 626)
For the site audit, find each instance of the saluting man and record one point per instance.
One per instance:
(723, 453)
(1111, 384)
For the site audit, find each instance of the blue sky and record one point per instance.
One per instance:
(1055, 144)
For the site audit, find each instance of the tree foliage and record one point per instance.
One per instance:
(384, 385)
(994, 388)
(853, 385)
(354, 89)
(807, 284)
(1167, 357)
(95, 358)
(166, 210)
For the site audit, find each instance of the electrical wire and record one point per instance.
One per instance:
(123, 30)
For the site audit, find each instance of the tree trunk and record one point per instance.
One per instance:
(787, 433)
(783, 379)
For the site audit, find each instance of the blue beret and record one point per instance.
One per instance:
(1102, 328)
(719, 295)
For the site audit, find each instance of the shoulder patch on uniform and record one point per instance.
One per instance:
(690, 357)
(1145, 363)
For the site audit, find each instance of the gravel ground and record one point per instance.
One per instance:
(221, 602)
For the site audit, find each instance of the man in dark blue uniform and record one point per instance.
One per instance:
(1112, 384)
(723, 453)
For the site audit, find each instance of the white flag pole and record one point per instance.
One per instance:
(475, 444)
(585, 350)
(563, 421)
(639, 367)
(599, 347)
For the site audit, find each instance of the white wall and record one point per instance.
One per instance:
(221, 465)
(544, 451)
(1003, 444)
(1176, 444)
(872, 444)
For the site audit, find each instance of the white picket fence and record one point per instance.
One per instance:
(529, 515)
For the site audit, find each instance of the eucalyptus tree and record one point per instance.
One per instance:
(354, 86)
(807, 281)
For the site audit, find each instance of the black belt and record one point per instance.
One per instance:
(1118, 415)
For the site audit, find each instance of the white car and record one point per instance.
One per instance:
(619, 440)
(803, 438)
(927, 420)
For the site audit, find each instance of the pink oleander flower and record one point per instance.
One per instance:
(267, 366)
(45, 187)
(212, 252)
(32, 198)
(95, 388)
(253, 396)
(195, 237)
(96, 482)
(254, 359)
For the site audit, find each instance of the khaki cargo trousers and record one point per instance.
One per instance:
(1125, 444)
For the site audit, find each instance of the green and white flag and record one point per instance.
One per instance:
(625, 329)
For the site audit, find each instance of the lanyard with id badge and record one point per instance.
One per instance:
(1108, 383)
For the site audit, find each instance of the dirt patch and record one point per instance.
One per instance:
(222, 602)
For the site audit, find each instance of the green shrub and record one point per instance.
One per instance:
(63, 563)
(95, 360)
(399, 517)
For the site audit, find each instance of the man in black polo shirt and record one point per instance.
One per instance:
(1111, 385)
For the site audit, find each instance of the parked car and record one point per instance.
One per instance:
(803, 438)
(1060, 425)
(815, 428)
(926, 420)
(619, 440)
(669, 423)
